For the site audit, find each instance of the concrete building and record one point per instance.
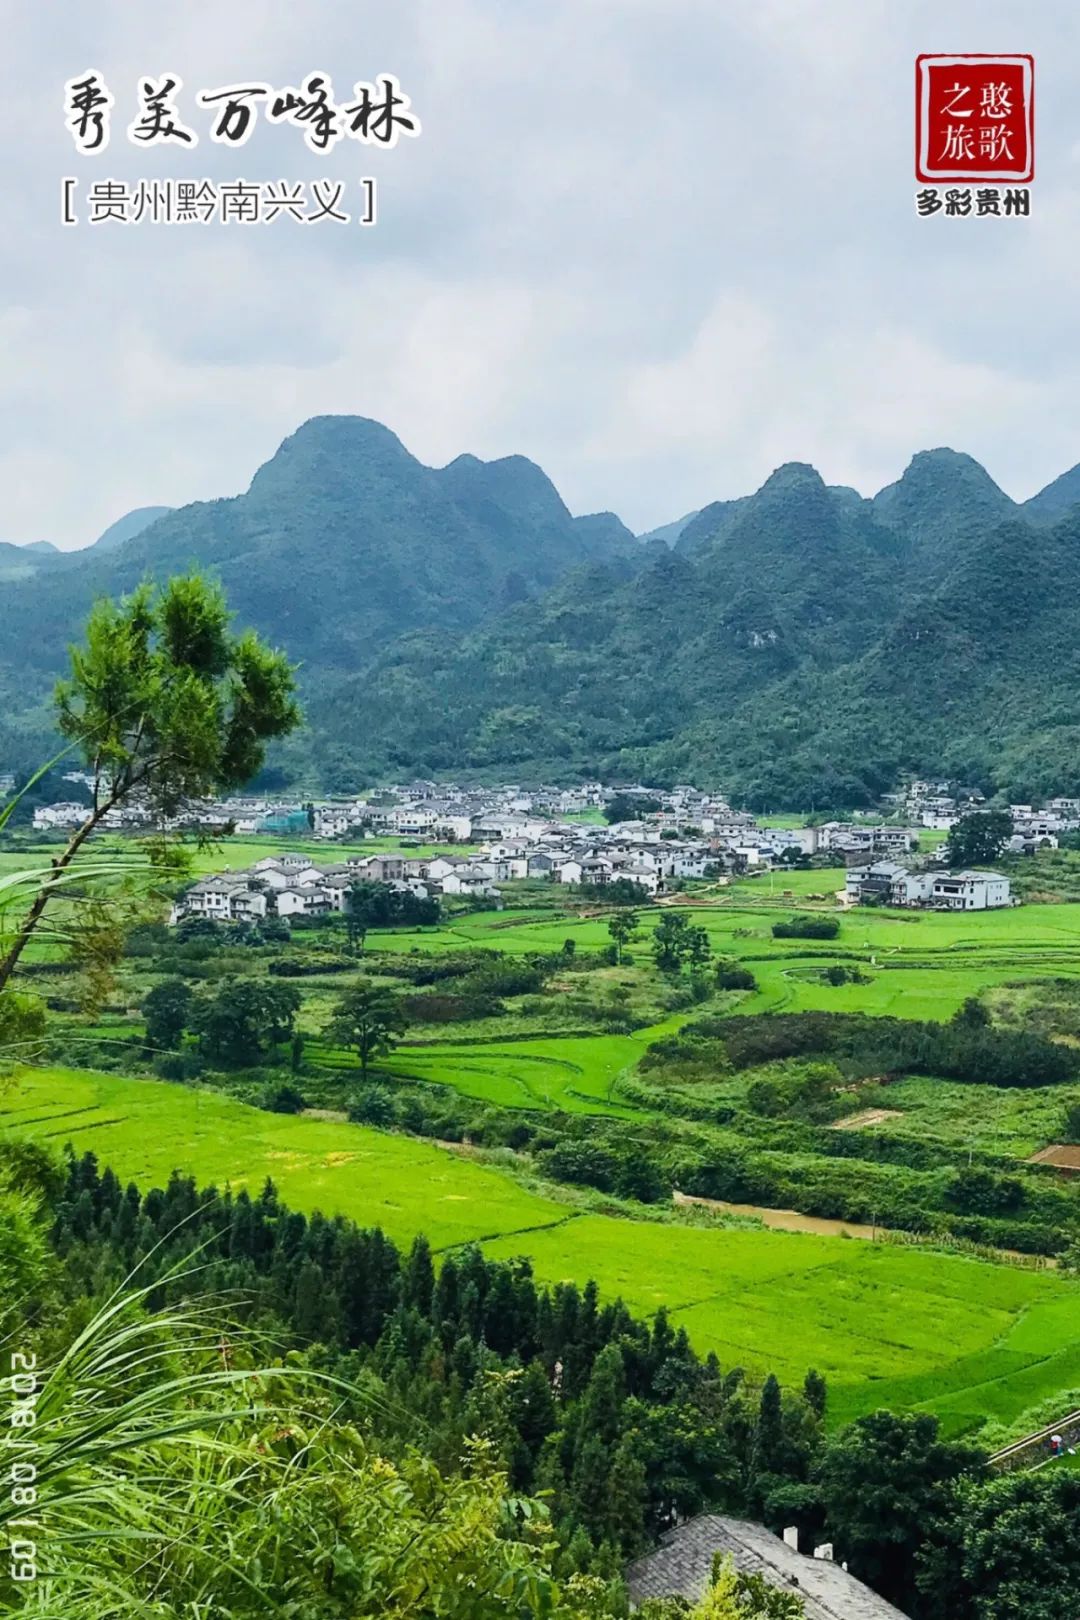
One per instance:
(970, 891)
(886, 883)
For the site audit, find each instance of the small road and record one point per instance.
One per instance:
(1021, 1454)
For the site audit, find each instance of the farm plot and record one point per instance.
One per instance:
(886, 1324)
(147, 1128)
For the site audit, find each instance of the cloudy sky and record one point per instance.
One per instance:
(659, 246)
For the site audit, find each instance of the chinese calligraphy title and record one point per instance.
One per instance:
(378, 113)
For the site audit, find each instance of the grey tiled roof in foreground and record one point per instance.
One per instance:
(682, 1564)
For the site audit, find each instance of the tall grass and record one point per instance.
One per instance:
(171, 1486)
(132, 1459)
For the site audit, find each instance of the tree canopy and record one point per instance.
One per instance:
(164, 702)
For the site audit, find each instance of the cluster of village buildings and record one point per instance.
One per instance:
(493, 835)
(931, 805)
(292, 884)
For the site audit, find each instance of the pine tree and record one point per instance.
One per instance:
(310, 1315)
(815, 1392)
(589, 1483)
(601, 1404)
(418, 1280)
(626, 1496)
(535, 1414)
(769, 1436)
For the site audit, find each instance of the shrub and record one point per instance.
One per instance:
(283, 1099)
(815, 927)
(449, 1009)
(735, 978)
(292, 967)
(505, 976)
(178, 1066)
(980, 1192)
(764, 1098)
(836, 974)
(374, 1106)
(581, 1163)
(639, 1176)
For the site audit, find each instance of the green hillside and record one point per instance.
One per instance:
(800, 646)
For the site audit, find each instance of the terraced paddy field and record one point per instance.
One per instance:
(571, 1074)
(147, 1128)
(972, 1341)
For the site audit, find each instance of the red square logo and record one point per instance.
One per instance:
(974, 118)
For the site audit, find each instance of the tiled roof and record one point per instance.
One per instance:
(682, 1565)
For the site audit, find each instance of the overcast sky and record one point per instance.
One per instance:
(659, 246)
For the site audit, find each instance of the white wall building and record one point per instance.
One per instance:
(970, 891)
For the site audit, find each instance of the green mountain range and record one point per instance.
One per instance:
(801, 646)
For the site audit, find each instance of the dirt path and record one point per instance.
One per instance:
(792, 1220)
(869, 1116)
(786, 1220)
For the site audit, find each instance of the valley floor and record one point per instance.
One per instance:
(984, 1345)
(975, 1342)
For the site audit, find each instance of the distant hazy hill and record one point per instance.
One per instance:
(1057, 498)
(15, 563)
(343, 542)
(800, 645)
(131, 524)
(669, 533)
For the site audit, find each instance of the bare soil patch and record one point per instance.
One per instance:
(784, 1220)
(868, 1116)
(1060, 1155)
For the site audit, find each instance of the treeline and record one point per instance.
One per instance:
(967, 1048)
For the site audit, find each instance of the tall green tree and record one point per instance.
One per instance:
(884, 1481)
(623, 928)
(362, 908)
(166, 703)
(166, 1010)
(678, 942)
(366, 1020)
(630, 807)
(978, 839)
(815, 1392)
(1019, 1549)
(769, 1439)
(244, 1018)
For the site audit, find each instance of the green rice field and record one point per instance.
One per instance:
(972, 1341)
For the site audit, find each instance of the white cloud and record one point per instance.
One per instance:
(656, 245)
